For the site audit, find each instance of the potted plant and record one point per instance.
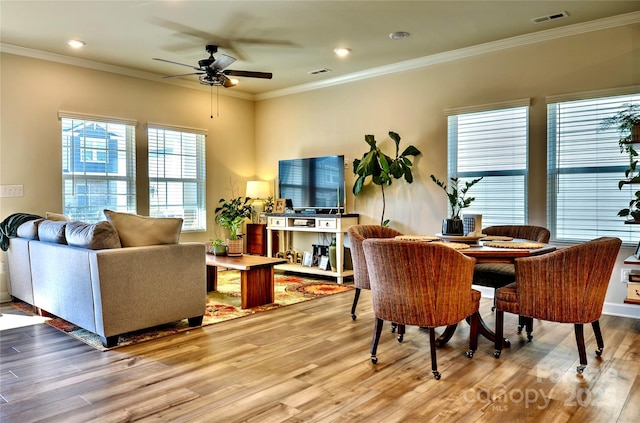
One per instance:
(382, 168)
(627, 121)
(458, 200)
(231, 215)
(218, 247)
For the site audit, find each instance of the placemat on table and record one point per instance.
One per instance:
(529, 245)
(454, 245)
(497, 238)
(417, 237)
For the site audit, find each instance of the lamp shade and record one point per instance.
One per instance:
(258, 189)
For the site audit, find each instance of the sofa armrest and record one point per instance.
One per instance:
(139, 287)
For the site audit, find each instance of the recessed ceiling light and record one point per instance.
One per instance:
(76, 43)
(398, 35)
(342, 51)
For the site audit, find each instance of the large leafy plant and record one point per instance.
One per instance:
(381, 168)
(457, 194)
(232, 213)
(627, 121)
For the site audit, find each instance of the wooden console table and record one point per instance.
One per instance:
(256, 277)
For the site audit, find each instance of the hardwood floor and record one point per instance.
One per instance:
(310, 363)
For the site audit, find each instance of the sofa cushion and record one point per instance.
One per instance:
(97, 236)
(52, 231)
(29, 229)
(138, 231)
(56, 216)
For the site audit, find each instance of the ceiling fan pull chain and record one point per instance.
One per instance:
(211, 100)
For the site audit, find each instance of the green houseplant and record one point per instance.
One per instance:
(627, 121)
(231, 214)
(381, 168)
(458, 200)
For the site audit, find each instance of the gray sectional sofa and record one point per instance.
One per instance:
(108, 291)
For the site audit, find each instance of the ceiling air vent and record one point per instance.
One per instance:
(316, 72)
(551, 17)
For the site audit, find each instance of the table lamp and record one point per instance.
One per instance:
(257, 191)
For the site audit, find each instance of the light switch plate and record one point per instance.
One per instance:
(11, 191)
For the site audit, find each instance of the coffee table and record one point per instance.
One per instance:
(256, 277)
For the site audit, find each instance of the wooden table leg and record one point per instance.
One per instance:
(256, 287)
(212, 278)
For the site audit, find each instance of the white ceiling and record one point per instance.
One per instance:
(287, 38)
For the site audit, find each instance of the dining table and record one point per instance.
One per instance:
(486, 250)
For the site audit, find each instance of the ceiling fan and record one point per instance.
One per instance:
(213, 71)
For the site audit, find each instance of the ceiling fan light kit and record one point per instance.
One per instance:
(213, 72)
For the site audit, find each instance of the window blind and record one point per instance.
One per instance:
(177, 181)
(492, 144)
(584, 167)
(98, 167)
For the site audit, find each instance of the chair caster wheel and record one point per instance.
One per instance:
(497, 353)
(393, 328)
(400, 338)
(353, 317)
(469, 353)
(519, 330)
(374, 359)
(436, 375)
(599, 352)
(529, 337)
(580, 369)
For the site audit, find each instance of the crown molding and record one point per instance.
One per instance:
(453, 55)
(449, 56)
(120, 70)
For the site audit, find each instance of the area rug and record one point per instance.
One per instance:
(222, 305)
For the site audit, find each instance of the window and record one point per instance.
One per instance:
(584, 166)
(491, 141)
(98, 166)
(177, 181)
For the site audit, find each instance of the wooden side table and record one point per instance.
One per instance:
(257, 239)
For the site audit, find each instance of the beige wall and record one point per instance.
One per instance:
(244, 142)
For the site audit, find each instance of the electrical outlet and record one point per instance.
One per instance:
(624, 274)
(11, 191)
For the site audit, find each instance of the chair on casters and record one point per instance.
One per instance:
(497, 275)
(565, 286)
(357, 234)
(421, 284)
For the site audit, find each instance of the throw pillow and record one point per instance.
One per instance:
(29, 229)
(52, 231)
(97, 236)
(137, 231)
(56, 216)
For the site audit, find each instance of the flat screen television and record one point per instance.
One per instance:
(315, 184)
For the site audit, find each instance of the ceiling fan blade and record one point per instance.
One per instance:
(183, 74)
(222, 62)
(177, 63)
(248, 74)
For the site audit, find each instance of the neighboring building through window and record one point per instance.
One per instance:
(177, 175)
(492, 142)
(98, 166)
(584, 166)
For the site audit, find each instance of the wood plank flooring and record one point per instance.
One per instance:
(310, 363)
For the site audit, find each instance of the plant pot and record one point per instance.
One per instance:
(220, 250)
(452, 227)
(635, 133)
(234, 247)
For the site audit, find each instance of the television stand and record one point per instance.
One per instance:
(335, 224)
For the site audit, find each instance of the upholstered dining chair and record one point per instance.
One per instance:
(497, 275)
(565, 286)
(421, 284)
(357, 234)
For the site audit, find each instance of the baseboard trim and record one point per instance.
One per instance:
(5, 297)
